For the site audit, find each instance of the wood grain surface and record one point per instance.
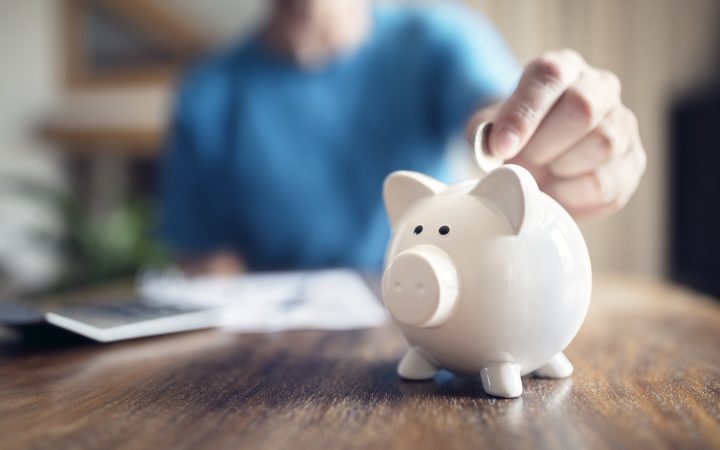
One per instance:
(647, 376)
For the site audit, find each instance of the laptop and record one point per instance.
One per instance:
(129, 318)
(109, 319)
(334, 299)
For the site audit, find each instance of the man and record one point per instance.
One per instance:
(279, 147)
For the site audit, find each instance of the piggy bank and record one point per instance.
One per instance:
(489, 277)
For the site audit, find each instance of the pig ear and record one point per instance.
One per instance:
(403, 188)
(513, 190)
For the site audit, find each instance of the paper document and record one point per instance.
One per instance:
(335, 299)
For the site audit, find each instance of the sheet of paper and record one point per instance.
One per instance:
(335, 299)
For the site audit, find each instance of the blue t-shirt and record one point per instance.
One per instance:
(285, 165)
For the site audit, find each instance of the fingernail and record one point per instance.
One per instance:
(505, 143)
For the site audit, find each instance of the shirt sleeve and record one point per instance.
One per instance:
(186, 219)
(476, 68)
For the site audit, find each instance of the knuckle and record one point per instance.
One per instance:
(612, 81)
(618, 203)
(580, 107)
(623, 199)
(571, 55)
(615, 82)
(631, 118)
(606, 143)
(642, 160)
(605, 186)
(548, 70)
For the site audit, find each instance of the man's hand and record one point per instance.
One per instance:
(566, 124)
(217, 263)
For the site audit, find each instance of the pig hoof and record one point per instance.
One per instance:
(557, 367)
(502, 379)
(415, 365)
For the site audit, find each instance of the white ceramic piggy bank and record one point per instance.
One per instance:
(488, 277)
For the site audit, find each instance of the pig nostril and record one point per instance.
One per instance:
(397, 286)
(420, 288)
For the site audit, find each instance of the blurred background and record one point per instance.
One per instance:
(86, 87)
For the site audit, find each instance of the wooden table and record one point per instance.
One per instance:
(647, 376)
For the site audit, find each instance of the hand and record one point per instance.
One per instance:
(566, 124)
(218, 263)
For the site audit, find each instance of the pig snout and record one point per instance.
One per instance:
(420, 286)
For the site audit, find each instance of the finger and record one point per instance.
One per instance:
(579, 110)
(609, 186)
(604, 144)
(542, 83)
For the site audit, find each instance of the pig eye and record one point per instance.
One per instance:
(418, 229)
(444, 230)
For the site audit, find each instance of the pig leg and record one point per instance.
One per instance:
(557, 367)
(502, 379)
(416, 365)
